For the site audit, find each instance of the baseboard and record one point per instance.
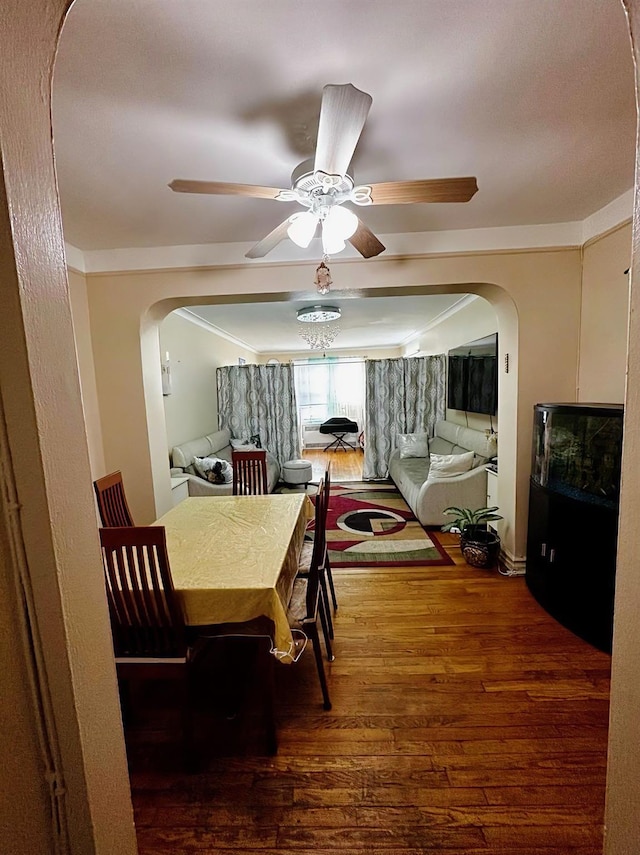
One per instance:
(512, 565)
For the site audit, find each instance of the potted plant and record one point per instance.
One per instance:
(479, 544)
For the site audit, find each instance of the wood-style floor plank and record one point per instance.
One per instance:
(465, 721)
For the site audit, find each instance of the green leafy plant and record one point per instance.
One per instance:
(464, 517)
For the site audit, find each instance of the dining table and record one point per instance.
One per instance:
(234, 559)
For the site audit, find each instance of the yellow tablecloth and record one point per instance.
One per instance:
(235, 558)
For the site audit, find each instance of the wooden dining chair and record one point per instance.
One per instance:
(112, 502)
(249, 472)
(307, 608)
(149, 636)
(327, 574)
(326, 577)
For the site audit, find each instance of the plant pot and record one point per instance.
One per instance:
(480, 546)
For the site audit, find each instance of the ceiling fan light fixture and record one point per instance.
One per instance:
(337, 227)
(332, 243)
(302, 228)
(342, 220)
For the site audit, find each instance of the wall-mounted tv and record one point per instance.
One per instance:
(472, 377)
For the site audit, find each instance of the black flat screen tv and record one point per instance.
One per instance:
(472, 376)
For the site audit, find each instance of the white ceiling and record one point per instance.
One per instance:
(534, 97)
(374, 322)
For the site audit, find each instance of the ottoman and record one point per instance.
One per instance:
(296, 472)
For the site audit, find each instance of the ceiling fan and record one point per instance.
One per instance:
(322, 184)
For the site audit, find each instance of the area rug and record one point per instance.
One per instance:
(369, 524)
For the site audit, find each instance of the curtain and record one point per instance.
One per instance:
(402, 396)
(260, 399)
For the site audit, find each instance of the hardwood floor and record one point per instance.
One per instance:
(345, 465)
(465, 720)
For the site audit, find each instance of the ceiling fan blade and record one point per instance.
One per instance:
(342, 116)
(269, 242)
(221, 188)
(427, 190)
(364, 240)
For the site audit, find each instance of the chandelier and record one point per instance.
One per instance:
(319, 325)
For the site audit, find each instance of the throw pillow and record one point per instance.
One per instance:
(413, 444)
(449, 465)
(214, 469)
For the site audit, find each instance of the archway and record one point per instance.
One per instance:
(511, 455)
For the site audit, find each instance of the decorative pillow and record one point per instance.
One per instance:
(214, 469)
(413, 444)
(449, 465)
(255, 439)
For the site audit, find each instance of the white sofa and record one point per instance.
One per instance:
(218, 445)
(426, 497)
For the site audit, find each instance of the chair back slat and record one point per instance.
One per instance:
(145, 615)
(249, 472)
(112, 502)
(326, 563)
(318, 552)
(327, 492)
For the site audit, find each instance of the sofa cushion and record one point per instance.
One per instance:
(449, 465)
(413, 444)
(465, 439)
(409, 474)
(204, 446)
(437, 445)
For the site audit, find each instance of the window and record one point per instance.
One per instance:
(329, 387)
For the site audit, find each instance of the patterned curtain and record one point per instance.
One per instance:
(260, 399)
(402, 396)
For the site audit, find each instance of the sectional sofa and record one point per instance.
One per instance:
(429, 494)
(216, 445)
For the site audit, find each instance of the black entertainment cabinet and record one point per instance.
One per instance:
(573, 515)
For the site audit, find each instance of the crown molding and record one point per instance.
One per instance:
(75, 258)
(212, 328)
(494, 239)
(614, 214)
(460, 304)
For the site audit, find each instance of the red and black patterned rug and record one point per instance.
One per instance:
(370, 524)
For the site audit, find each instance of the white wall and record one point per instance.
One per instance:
(191, 410)
(604, 317)
(86, 369)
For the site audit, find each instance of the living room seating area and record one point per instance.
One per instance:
(447, 469)
(187, 457)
